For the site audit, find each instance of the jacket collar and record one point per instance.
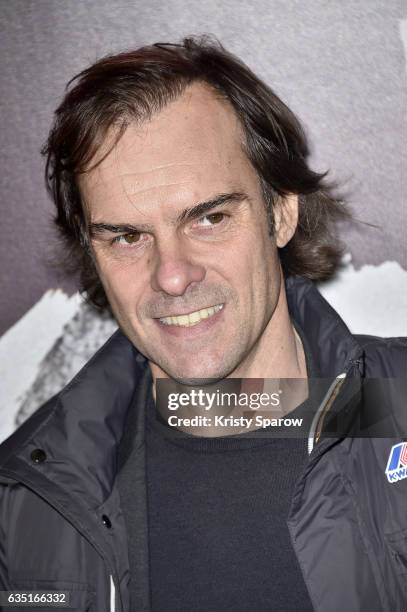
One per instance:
(333, 347)
(80, 428)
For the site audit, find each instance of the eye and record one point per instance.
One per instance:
(127, 239)
(213, 219)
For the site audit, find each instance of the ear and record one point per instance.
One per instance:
(285, 219)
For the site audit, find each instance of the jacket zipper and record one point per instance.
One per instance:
(316, 426)
(315, 431)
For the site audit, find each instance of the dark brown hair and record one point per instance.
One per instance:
(133, 86)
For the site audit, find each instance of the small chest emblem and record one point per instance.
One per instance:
(397, 464)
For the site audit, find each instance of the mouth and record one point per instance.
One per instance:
(192, 318)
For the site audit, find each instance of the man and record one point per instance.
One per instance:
(183, 190)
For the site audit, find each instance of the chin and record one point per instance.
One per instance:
(197, 382)
(199, 376)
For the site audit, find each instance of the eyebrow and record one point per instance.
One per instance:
(188, 214)
(219, 200)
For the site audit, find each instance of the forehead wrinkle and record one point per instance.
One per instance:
(161, 167)
(105, 179)
(135, 191)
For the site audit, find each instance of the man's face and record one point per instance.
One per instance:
(180, 238)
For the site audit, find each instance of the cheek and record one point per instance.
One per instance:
(265, 280)
(257, 263)
(121, 282)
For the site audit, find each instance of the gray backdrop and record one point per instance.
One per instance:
(340, 65)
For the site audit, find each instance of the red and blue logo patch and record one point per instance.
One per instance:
(397, 464)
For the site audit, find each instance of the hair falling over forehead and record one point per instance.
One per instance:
(133, 86)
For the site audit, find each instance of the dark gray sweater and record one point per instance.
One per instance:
(217, 509)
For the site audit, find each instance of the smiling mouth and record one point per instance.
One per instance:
(193, 318)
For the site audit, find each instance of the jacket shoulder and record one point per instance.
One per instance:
(117, 350)
(384, 356)
(11, 445)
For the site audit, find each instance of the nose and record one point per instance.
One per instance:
(175, 270)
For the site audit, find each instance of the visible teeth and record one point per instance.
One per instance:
(193, 318)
